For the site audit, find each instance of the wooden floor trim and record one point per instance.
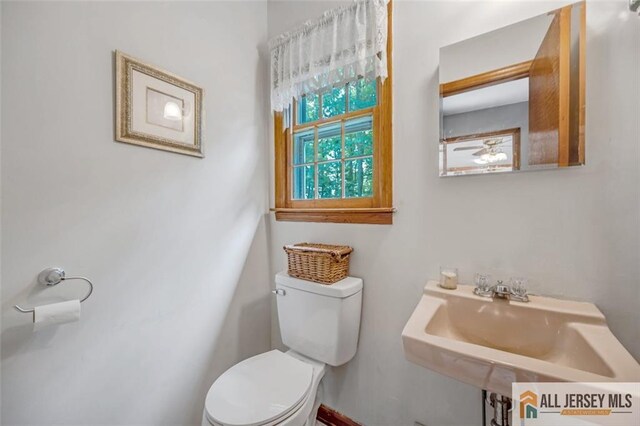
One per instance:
(331, 417)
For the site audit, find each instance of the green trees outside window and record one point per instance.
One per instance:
(335, 160)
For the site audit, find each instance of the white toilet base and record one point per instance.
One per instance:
(305, 415)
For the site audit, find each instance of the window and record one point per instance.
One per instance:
(334, 161)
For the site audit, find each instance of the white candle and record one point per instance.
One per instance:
(449, 280)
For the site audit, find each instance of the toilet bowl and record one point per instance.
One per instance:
(320, 325)
(272, 388)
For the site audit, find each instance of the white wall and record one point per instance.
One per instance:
(575, 233)
(176, 245)
(495, 49)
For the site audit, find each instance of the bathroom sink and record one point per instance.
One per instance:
(490, 343)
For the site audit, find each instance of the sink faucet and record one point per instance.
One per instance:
(504, 292)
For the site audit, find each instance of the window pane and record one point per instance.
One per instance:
(329, 142)
(362, 94)
(358, 137)
(334, 102)
(304, 185)
(330, 180)
(303, 147)
(308, 108)
(358, 177)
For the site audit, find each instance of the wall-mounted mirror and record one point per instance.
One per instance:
(514, 99)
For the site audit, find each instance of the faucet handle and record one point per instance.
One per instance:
(518, 286)
(483, 285)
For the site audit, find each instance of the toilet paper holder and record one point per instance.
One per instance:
(54, 276)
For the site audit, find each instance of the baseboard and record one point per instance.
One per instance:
(331, 417)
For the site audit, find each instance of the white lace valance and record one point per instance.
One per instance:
(344, 44)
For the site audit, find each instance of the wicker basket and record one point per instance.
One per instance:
(321, 263)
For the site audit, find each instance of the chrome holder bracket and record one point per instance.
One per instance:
(54, 276)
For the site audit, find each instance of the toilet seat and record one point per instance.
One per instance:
(261, 390)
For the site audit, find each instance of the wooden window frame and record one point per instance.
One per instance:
(377, 209)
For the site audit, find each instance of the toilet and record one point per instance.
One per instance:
(320, 325)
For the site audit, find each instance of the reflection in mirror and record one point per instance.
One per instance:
(513, 99)
(490, 152)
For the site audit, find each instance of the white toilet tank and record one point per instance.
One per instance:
(320, 321)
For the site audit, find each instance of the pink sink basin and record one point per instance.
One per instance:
(490, 343)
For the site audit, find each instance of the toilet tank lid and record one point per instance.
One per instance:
(341, 289)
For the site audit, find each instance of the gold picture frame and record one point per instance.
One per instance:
(156, 108)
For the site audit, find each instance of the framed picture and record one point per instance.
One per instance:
(157, 109)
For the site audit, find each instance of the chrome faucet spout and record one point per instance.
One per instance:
(500, 290)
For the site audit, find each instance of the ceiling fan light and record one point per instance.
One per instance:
(501, 156)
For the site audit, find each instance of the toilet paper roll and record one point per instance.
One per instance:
(56, 313)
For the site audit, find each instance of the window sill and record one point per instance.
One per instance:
(376, 216)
